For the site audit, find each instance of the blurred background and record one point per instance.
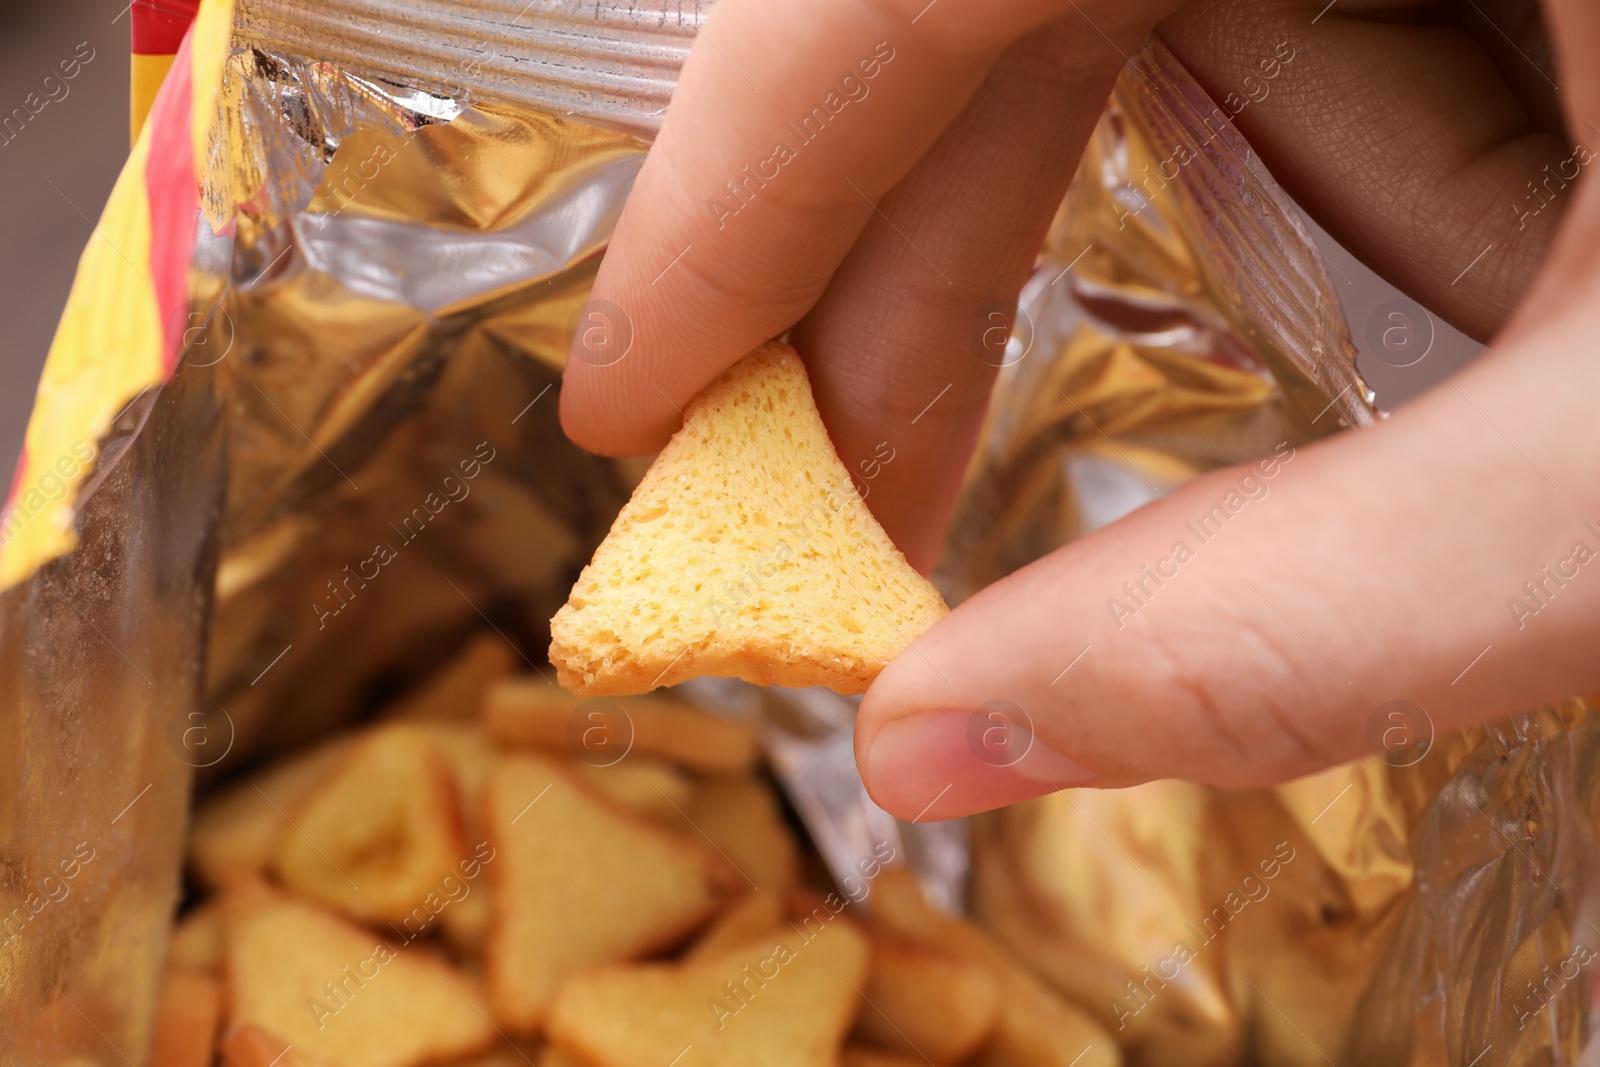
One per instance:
(58, 169)
(56, 172)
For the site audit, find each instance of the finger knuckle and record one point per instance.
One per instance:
(1237, 682)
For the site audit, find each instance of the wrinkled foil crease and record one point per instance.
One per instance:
(411, 316)
(409, 220)
(284, 120)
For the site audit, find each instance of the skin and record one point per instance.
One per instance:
(1382, 567)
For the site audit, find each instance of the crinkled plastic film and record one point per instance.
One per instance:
(404, 206)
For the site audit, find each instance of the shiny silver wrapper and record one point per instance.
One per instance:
(413, 204)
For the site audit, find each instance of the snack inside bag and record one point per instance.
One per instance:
(288, 774)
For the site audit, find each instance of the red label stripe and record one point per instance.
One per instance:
(159, 25)
(170, 187)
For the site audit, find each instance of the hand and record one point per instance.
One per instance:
(924, 197)
(1449, 556)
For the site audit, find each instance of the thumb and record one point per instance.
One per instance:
(1251, 626)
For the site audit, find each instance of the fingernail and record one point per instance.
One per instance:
(944, 764)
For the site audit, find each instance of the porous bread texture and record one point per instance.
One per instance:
(746, 552)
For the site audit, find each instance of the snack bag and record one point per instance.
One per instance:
(295, 457)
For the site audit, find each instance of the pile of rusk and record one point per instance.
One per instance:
(496, 872)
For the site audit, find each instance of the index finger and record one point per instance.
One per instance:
(790, 120)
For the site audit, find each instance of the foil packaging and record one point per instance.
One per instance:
(357, 465)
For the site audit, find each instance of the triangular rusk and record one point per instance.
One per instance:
(342, 995)
(753, 917)
(577, 883)
(374, 837)
(783, 1001)
(746, 552)
(923, 1002)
